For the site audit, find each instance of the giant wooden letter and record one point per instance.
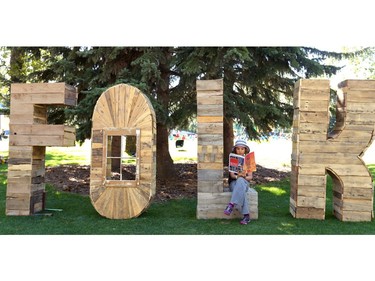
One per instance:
(317, 152)
(122, 113)
(29, 136)
(211, 196)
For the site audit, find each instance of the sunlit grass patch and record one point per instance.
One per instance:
(274, 190)
(79, 155)
(371, 167)
(184, 159)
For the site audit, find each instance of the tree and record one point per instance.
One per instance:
(93, 70)
(258, 83)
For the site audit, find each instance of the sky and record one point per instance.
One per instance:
(326, 25)
(198, 23)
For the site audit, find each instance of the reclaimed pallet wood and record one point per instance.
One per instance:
(316, 152)
(210, 205)
(123, 110)
(210, 114)
(30, 134)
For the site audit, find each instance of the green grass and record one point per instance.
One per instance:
(66, 155)
(78, 216)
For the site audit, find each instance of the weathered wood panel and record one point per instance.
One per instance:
(316, 151)
(44, 93)
(211, 198)
(29, 136)
(210, 205)
(123, 110)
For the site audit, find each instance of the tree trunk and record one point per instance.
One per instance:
(164, 163)
(16, 65)
(115, 151)
(228, 139)
(131, 145)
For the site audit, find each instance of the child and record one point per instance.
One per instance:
(239, 185)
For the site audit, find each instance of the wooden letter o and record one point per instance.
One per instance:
(122, 111)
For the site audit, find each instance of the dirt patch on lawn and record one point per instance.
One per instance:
(76, 179)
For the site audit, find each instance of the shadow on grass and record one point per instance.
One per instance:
(177, 217)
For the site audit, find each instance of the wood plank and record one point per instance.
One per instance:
(358, 205)
(209, 186)
(40, 98)
(23, 119)
(18, 188)
(322, 84)
(121, 106)
(37, 141)
(332, 147)
(211, 205)
(211, 128)
(210, 139)
(313, 128)
(205, 98)
(357, 84)
(312, 117)
(130, 93)
(210, 175)
(36, 88)
(355, 216)
(311, 202)
(362, 107)
(210, 110)
(312, 191)
(210, 165)
(209, 85)
(214, 211)
(357, 181)
(309, 213)
(315, 180)
(327, 159)
(209, 119)
(358, 193)
(17, 212)
(21, 109)
(352, 169)
(360, 95)
(308, 136)
(354, 135)
(313, 94)
(313, 105)
(360, 118)
(41, 129)
(20, 201)
(224, 197)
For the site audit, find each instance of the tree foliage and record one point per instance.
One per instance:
(258, 81)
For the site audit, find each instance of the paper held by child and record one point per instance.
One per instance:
(238, 163)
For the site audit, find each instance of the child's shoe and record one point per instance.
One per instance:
(228, 210)
(245, 219)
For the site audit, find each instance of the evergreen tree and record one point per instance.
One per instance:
(258, 83)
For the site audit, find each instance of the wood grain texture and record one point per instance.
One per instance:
(122, 110)
(211, 198)
(317, 152)
(30, 134)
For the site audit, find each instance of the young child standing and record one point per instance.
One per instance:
(239, 185)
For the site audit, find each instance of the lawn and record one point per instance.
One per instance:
(168, 241)
(73, 214)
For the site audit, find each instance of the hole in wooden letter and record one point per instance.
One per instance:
(121, 158)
